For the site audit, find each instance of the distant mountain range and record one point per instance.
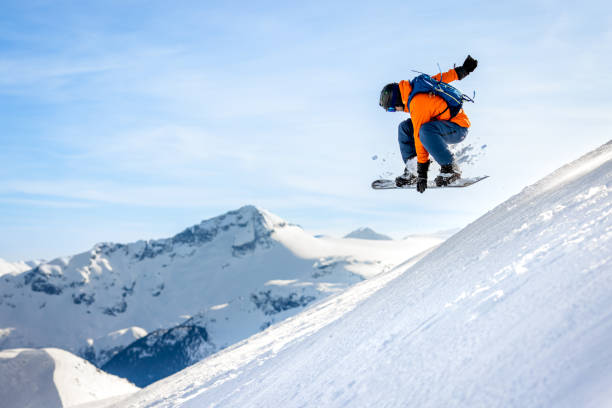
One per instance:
(147, 309)
(367, 233)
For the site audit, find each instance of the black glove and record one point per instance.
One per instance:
(422, 169)
(469, 65)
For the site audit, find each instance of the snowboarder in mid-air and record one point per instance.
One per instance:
(436, 120)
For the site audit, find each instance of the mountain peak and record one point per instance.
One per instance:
(249, 224)
(367, 233)
(251, 213)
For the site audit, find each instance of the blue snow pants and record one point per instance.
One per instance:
(435, 137)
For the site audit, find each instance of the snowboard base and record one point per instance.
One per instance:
(385, 184)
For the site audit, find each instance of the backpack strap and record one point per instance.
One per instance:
(439, 114)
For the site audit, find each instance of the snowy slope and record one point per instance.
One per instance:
(514, 310)
(367, 233)
(445, 234)
(53, 378)
(16, 267)
(231, 276)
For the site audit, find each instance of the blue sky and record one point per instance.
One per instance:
(126, 120)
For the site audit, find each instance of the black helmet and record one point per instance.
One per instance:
(390, 96)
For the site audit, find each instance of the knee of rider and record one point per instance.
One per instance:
(425, 132)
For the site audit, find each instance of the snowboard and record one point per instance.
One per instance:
(385, 184)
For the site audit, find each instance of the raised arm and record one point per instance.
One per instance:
(448, 76)
(458, 73)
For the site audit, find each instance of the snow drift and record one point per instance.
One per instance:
(54, 378)
(514, 310)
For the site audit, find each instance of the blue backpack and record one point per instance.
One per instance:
(451, 95)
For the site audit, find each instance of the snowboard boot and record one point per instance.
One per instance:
(448, 174)
(406, 179)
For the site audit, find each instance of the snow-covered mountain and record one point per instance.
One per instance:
(187, 296)
(367, 233)
(16, 267)
(54, 378)
(514, 310)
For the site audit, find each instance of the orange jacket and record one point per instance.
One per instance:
(424, 107)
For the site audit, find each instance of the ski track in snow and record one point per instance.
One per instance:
(514, 310)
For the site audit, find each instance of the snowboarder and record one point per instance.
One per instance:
(429, 130)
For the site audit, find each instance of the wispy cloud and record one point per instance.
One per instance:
(169, 109)
(45, 202)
